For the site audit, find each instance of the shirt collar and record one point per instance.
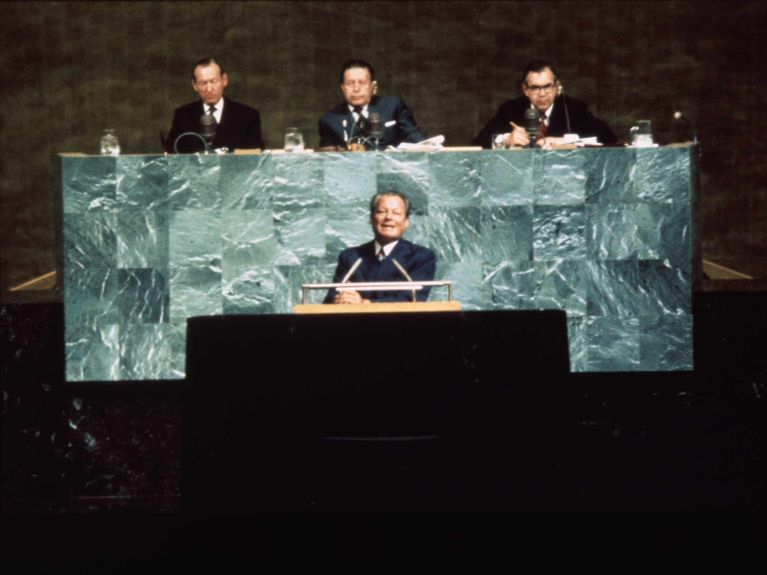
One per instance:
(548, 112)
(364, 109)
(388, 248)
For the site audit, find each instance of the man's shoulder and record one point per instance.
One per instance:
(357, 250)
(386, 102)
(409, 247)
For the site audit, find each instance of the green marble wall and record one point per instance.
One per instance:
(606, 234)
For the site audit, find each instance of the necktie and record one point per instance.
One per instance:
(211, 111)
(381, 255)
(542, 127)
(360, 118)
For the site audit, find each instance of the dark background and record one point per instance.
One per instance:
(70, 69)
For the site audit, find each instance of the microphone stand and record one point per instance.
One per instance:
(204, 141)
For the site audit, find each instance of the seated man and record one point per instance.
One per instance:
(235, 125)
(349, 122)
(380, 260)
(560, 114)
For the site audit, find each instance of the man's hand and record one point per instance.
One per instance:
(349, 297)
(517, 137)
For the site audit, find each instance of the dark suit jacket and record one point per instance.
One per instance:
(240, 127)
(418, 261)
(582, 122)
(389, 107)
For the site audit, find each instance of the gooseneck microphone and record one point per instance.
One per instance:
(679, 116)
(208, 127)
(532, 125)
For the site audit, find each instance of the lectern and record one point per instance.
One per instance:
(267, 393)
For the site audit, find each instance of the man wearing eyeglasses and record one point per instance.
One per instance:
(559, 114)
(231, 124)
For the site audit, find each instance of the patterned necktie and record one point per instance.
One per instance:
(381, 255)
(211, 111)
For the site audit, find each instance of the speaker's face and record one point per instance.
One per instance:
(389, 219)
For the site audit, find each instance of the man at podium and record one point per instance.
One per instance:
(387, 258)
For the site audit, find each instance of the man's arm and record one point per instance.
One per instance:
(499, 124)
(407, 129)
(585, 124)
(328, 136)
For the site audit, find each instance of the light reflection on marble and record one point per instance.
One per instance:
(605, 234)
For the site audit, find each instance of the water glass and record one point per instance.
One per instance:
(110, 145)
(294, 140)
(641, 134)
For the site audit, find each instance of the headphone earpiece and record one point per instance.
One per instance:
(375, 87)
(560, 90)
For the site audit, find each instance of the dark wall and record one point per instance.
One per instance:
(71, 69)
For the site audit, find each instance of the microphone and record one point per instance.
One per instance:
(375, 127)
(352, 269)
(208, 127)
(403, 272)
(532, 125)
(680, 116)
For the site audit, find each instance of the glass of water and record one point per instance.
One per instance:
(294, 140)
(110, 145)
(641, 134)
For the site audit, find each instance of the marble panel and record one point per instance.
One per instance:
(88, 185)
(350, 180)
(613, 343)
(300, 233)
(142, 239)
(193, 181)
(248, 241)
(665, 343)
(506, 178)
(559, 177)
(90, 240)
(142, 295)
(506, 234)
(559, 232)
(561, 284)
(454, 180)
(455, 234)
(142, 183)
(247, 182)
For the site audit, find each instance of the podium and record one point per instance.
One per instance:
(274, 401)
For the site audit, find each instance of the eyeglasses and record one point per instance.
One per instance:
(547, 89)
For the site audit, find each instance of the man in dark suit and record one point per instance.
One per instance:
(387, 258)
(560, 114)
(236, 125)
(348, 125)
